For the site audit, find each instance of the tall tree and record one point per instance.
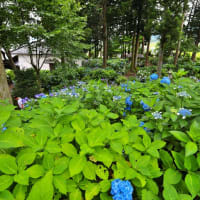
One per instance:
(4, 89)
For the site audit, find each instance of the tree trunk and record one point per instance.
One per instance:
(136, 53)
(142, 45)
(38, 79)
(179, 41)
(195, 53)
(160, 61)
(147, 52)
(105, 34)
(132, 53)
(4, 89)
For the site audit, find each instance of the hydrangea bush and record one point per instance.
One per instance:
(98, 141)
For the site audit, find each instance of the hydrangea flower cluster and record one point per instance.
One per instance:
(157, 115)
(183, 94)
(41, 95)
(165, 80)
(129, 103)
(121, 190)
(184, 112)
(145, 106)
(154, 76)
(116, 98)
(125, 87)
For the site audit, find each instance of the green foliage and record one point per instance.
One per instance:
(25, 84)
(73, 147)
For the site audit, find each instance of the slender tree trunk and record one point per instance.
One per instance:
(160, 61)
(136, 53)
(105, 34)
(179, 41)
(195, 53)
(147, 52)
(132, 53)
(4, 89)
(142, 45)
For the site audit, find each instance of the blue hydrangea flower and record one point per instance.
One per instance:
(128, 101)
(127, 90)
(184, 112)
(142, 125)
(41, 95)
(154, 76)
(157, 115)
(121, 190)
(165, 80)
(145, 106)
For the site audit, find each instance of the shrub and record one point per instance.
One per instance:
(25, 83)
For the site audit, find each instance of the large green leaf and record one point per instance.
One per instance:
(60, 183)
(11, 140)
(170, 193)
(61, 165)
(20, 192)
(76, 165)
(91, 191)
(53, 147)
(180, 136)
(35, 171)
(194, 132)
(89, 171)
(179, 159)
(69, 150)
(190, 149)
(75, 195)
(5, 182)
(102, 172)
(78, 124)
(42, 189)
(48, 161)
(25, 157)
(22, 178)
(105, 156)
(192, 182)
(172, 176)
(8, 164)
(5, 112)
(6, 195)
(166, 158)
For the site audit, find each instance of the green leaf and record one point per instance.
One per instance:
(76, 165)
(172, 176)
(170, 193)
(75, 195)
(194, 132)
(42, 189)
(61, 165)
(5, 112)
(112, 115)
(180, 136)
(78, 124)
(166, 158)
(91, 191)
(60, 184)
(105, 156)
(5, 182)
(152, 186)
(53, 147)
(105, 196)
(89, 171)
(20, 192)
(192, 182)
(35, 171)
(22, 178)
(146, 141)
(116, 146)
(190, 149)
(48, 161)
(25, 157)
(185, 197)
(179, 159)
(69, 150)
(105, 185)
(148, 195)
(190, 163)
(102, 172)
(10, 140)
(8, 164)
(6, 195)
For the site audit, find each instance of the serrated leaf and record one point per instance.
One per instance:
(76, 165)
(60, 184)
(89, 171)
(61, 165)
(91, 191)
(190, 149)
